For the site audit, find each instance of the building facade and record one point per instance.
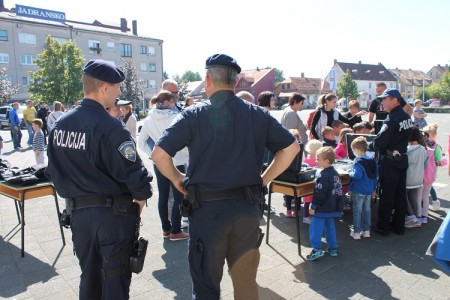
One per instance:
(256, 81)
(22, 38)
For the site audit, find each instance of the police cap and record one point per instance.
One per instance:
(104, 71)
(391, 93)
(222, 60)
(122, 102)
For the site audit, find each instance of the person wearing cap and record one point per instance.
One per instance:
(93, 162)
(226, 138)
(391, 143)
(114, 110)
(128, 118)
(376, 108)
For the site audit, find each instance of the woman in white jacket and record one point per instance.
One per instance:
(158, 119)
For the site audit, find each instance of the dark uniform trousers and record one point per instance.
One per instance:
(103, 242)
(393, 194)
(219, 230)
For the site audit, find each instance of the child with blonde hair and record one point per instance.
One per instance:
(312, 147)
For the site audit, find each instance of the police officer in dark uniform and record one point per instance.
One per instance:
(226, 139)
(93, 162)
(391, 143)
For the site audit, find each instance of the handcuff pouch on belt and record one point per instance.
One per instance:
(394, 155)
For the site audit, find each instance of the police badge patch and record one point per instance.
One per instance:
(128, 150)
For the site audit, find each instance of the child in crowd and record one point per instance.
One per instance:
(361, 128)
(288, 199)
(419, 114)
(353, 109)
(430, 140)
(341, 149)
(429, 176)
(312, 147)
(337, 126)
(328, 137)
(327, 204)
(363, 183)
(38, 141)
(417, 156)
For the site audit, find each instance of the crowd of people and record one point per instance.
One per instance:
(208, 157)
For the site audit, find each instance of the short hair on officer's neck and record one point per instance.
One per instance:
(223, 76)
(91, 84)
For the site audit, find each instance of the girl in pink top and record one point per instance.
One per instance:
(341, 149)
(311, 148)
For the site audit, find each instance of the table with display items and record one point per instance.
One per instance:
(21, 193)
(296, 190)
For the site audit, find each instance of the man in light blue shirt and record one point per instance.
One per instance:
(15, 126)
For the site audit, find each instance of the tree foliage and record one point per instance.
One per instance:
(59, 73)
(7, 90)
(279, 77)
(190, 76)
(131, 87)
(347, 87)
(440, 89)
(165, 75)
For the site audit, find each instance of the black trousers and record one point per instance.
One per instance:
(393, 194)
(103, 243)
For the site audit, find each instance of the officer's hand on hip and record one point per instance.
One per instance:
(179, 185)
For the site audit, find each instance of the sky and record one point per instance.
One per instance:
(294, 36)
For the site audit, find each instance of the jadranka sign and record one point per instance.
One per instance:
(39, 13)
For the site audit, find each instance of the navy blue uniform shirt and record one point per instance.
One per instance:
(395, 132)
(226, 140)
(92, 154)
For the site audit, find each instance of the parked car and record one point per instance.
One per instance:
(436, 103)
(428, 102)
(4, 121)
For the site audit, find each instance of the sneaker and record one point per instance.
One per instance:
(332, 252)
(424, 220)
(355, 235)
(179, 236)
(415, 223)
(315, 254)
(166, 234)
(365, 234)
(295, 214)
(436, 205)
(307, 220)
(184, 224)
(289, 213)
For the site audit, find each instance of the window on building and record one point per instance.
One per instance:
(27, 59)
(151, 51)
(94, 47)
(27, 38)
(288, 86)
(143, 49)
(144, 83)
(3, 35)
(111, 46)
(152, 83)
(61, 40)
(4, 58)
(125, 50)
(144, 67)
(27, 80)
(152, 67)
(282, 86)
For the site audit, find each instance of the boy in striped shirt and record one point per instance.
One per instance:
(38, 141)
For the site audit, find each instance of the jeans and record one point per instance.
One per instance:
(30, 134)
(164, 185)
(361, 212)
(316, 229)
(17, 136)
(414, 205)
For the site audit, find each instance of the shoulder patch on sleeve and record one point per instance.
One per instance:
(128, 150)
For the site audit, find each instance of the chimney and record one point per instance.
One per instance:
(359, 62)
(335, 61)
(123, 25)
(303, 75)
(134, 26)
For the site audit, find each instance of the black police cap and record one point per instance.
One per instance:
(222, 60)
(104, 71)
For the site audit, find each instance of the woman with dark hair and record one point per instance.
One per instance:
(129, 119)
(290, 118)
(326, 113)
(266, 99)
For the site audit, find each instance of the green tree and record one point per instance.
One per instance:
(440, 89)
(131, 87)
(7, 90)
(347, 87)
(59, 73)
(190, 76)
(279, 77)
(165, 75)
